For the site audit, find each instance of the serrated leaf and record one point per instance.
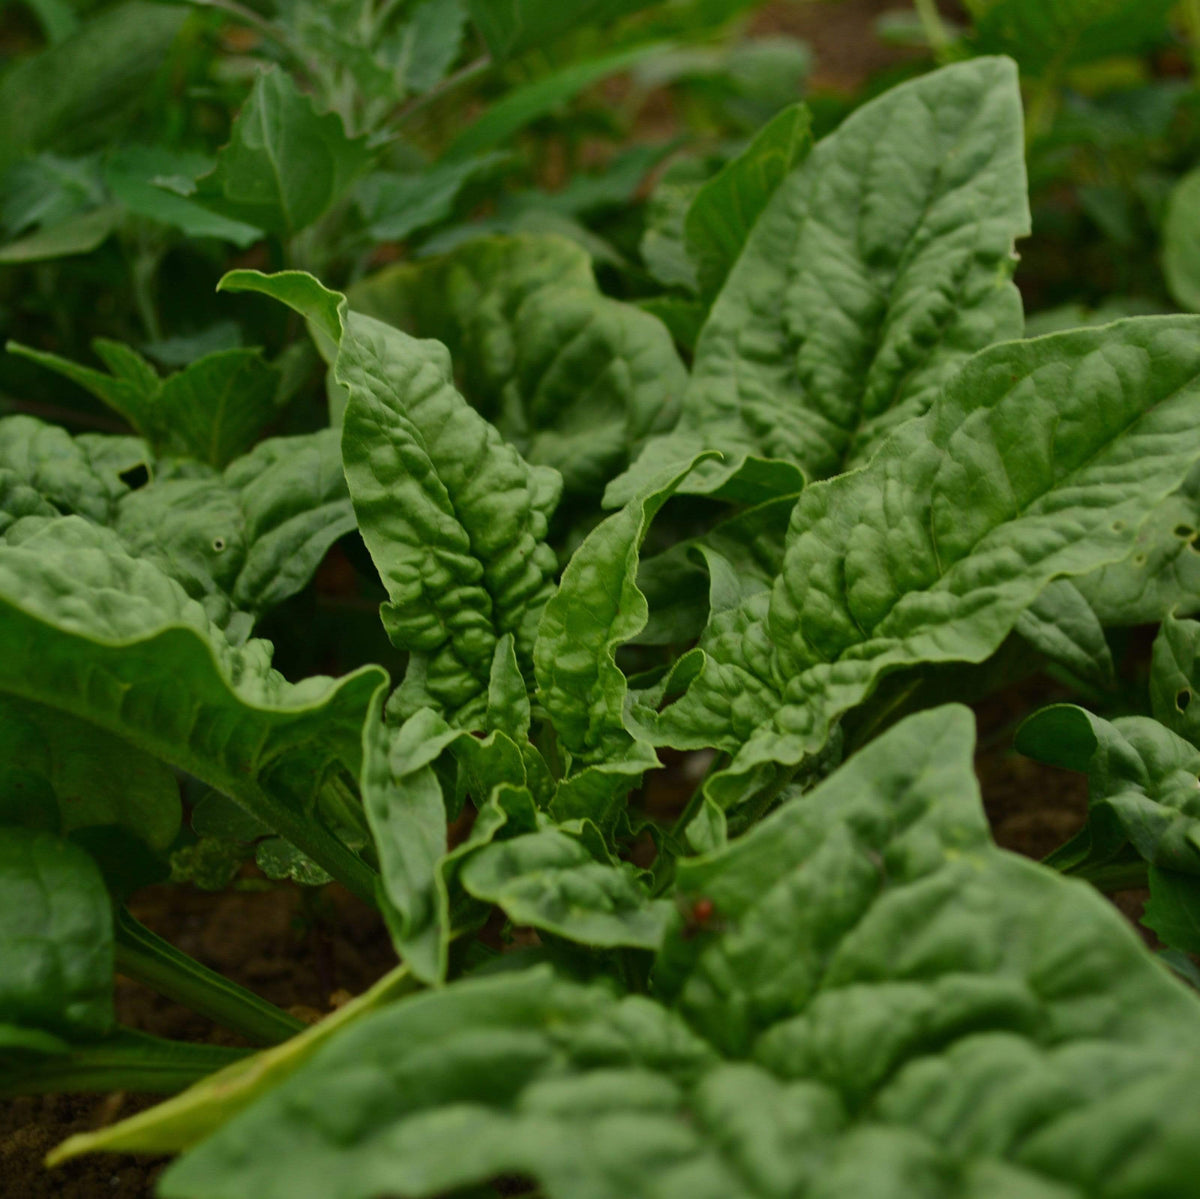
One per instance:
(917, 1029)
(573, 379)
(1039, 460)
(454, 518)
(285, 164)
(878, 267)
(87, 630)
(56, 946)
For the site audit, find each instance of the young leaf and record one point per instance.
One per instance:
(454, 518)
(573, 379)
(212, 410)
(1040, 460)
(916, 1029)
(285, 164)
(87, 630)
(56, 946)
(878, 267)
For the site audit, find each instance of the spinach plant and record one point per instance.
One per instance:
(821, 977)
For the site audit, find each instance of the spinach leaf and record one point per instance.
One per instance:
(881, 263)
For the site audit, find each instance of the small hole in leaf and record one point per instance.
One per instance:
(218, 544)
(1182, 699)
(1117, 525)
(1139, 559)
(135, 476)
(1184, 532)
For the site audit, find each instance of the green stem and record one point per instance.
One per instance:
(461, 76)
(1113, 876)
(935, 31)
(147, 958)
(124, 1061)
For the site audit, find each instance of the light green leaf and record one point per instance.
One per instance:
(548, 880)
(1181, 242)
(1142, 787)
(108, 639)
(285, 164)
(56, 944)
(878, 267)
(573, 379)
(882, 1004)
(249, 538)
(596, 609)
(511, 27)
(69, 95)
(726, 208)
(454, 518)
(79, 234)
(211, 410)
(1041, 459)
(396, 206)
(131, 172)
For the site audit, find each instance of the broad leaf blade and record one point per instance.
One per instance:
(879, 266)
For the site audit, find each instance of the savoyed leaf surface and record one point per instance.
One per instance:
(1040, 459)
(879, 266)
(947, 1021)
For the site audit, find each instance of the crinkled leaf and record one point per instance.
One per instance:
(1142, 786)
(109, 639)
(883, 1004)
(549, 880)
(245, 540)
(454, 518)
(573, 379)
(878, 267)
(1040, 460)
(56, 946)
(211, 410)
(285, 164)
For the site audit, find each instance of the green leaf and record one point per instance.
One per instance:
(69, 95)
(1142, 787)
(108, 639)
(454, 518)
(1181, 242)
(878, 267)
(56, 942)
(94, 778)
(131, 173)
(881, 1004)
(507, 117)
(726, 208)
(1173, 910)
(396, 206)
(550, 881)
(211, 410)
(285, 164)
(73, 474)
(1175, 677)
(513, 26)
(79, 234)
(573, 379)
(596, 609)
(1064, 628)
(1047, 38)
(249, 538)
(1039, 460)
